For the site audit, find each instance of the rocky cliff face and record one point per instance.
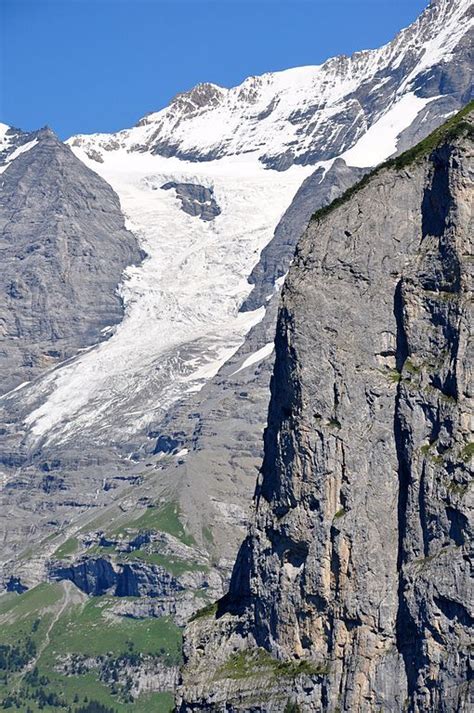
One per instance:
(63, 248)
(98, 576)
(351, 590)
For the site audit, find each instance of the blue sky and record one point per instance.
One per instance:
(99, 65)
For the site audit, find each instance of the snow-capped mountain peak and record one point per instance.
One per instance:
(305, 114)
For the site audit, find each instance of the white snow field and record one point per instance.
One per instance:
(181, 305)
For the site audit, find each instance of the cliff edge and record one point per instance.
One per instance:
(351, 591)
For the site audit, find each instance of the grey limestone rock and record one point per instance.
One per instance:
(63, 249)
(92, 576)
(99, 575)
(354, 577)
(196, 200)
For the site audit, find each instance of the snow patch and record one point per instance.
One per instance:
(380, 141)
(277, 286)
(17, 152)
(279, 282)
(257, 356)
(4, 128)
(13, 391)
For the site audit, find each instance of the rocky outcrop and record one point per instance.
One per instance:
(180, 606)
(92, 576)
(196, 200)
(98, 576)
(137, 580)
(318, 190)
(15, 584)
(351, 591)
(13, 142)
(63, 249)
(131, 673)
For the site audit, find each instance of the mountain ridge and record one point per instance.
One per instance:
(225, 122)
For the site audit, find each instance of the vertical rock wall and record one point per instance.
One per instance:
(356, 564)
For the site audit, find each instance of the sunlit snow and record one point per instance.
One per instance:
(256, 357)
(182, 320)
(380, 141)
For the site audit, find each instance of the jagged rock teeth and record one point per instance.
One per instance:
(196, 200)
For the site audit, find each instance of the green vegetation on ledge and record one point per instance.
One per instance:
(450, 130)
(174, 566)
(164, 518)
(245, 664)
(208, 611)
(69, 547)
(467, 452)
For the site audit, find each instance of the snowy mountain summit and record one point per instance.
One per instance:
(310, 114)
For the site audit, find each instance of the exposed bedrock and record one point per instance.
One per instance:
(196, 200)
(63, 247)
(99, 575)
(351, 591)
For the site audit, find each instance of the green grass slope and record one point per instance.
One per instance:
(53, 625)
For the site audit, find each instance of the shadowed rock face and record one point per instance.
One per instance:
(196, 200)
(357, 560)
(63, 249)
(100, 576)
